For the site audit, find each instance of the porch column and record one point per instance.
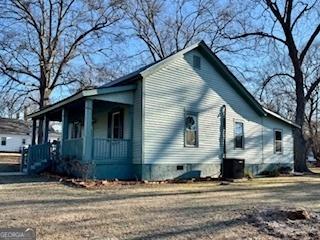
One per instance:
(88, 131)
(131, 119)
(65, 127)
(34, 131)
(45, 129)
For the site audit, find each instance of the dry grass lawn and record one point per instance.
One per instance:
(163, 211)
(10, 158)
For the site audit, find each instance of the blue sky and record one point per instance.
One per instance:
(245, 64)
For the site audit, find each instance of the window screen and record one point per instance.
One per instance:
(278, 141)
(239, 135)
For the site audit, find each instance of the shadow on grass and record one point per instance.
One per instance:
(11, 179)
(9, 167)
(300, 191)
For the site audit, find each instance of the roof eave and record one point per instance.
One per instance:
(80, 95)
(277, 116)
(231, 78)
(56, 105)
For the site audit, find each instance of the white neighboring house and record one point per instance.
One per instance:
(14, 134)
(54, 132)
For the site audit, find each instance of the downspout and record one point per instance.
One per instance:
(224, 115)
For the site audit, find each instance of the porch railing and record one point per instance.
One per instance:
(111, 150)
(73, 148)
(104, 149)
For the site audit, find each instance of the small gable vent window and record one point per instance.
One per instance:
(196, 62)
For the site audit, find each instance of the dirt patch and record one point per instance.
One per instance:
(286, 223)
(96, 184)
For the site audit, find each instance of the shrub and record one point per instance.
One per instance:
(271, 173)
(285, 170)
(274, 173)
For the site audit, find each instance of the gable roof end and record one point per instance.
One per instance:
(211, 57)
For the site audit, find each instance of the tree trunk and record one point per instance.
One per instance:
(299, 151)
(44, 101)
(300, 164)
(40, 131)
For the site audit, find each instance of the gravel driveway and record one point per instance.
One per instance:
(146, 211)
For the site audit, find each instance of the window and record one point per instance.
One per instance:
(191, 130)
(116, 128)
(179, 167)
(239, 135)
(116, 124)
(196, 62)
(23, 141)
(76, 130)
(277, 141)
(3, 141)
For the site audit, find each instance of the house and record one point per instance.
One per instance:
(14, 134)
(53, 133)
(176, 117)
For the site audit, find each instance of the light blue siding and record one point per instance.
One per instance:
(178, 87)
(269, 156)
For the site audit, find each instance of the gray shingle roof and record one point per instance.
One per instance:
(13, 126)
(129, 76)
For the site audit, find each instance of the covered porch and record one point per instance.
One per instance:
(97, 129)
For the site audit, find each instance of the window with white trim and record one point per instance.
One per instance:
(238, 135)
(116, 123)
(3, 141)
(278, 141)
(191, 130)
